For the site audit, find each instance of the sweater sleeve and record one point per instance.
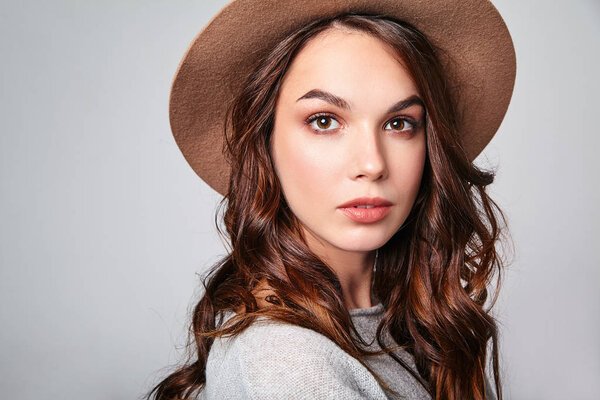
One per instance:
(490, 391)
(272, 360)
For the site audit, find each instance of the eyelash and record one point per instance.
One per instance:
(414, 124)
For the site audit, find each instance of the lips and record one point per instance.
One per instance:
(366, 209)
(366, 201)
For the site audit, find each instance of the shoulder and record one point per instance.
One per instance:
(272, 359)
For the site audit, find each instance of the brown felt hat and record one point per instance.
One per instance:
(216, 63)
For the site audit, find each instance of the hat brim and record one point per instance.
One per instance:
(480, 61)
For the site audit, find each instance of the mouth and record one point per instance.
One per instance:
(366, 202)
(366, 210)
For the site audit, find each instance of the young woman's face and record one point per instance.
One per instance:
(349, 123)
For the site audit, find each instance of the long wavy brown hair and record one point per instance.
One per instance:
(433, 276)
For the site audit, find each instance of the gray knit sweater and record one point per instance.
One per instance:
(275, 360)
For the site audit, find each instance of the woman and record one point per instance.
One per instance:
(362, 239)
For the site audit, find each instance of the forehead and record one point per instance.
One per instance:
(351, 64)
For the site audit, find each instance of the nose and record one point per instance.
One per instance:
(368, 160)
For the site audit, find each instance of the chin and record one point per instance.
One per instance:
(366, 242)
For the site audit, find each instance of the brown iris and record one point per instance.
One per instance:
(324, 122)
(398, 124)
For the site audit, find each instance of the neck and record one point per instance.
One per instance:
(354, 269)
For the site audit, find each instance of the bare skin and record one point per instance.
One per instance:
(358, 149)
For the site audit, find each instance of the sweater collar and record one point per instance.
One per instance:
(374, 310)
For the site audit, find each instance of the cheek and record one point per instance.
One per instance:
(306, 171)
(409, 167)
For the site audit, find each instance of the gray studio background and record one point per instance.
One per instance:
(104, 228)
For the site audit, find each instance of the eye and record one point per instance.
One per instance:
(401, 124)
(322, 122)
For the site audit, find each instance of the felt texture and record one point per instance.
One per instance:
(481, 63)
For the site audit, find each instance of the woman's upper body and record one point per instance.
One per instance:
(275, 360)
(342, 137)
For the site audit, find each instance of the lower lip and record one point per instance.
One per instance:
(366, 215)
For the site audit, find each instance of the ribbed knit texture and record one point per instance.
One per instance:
(274, 360)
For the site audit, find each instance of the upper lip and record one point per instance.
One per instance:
(366, 201)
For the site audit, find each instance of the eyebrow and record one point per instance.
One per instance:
(341, 103)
